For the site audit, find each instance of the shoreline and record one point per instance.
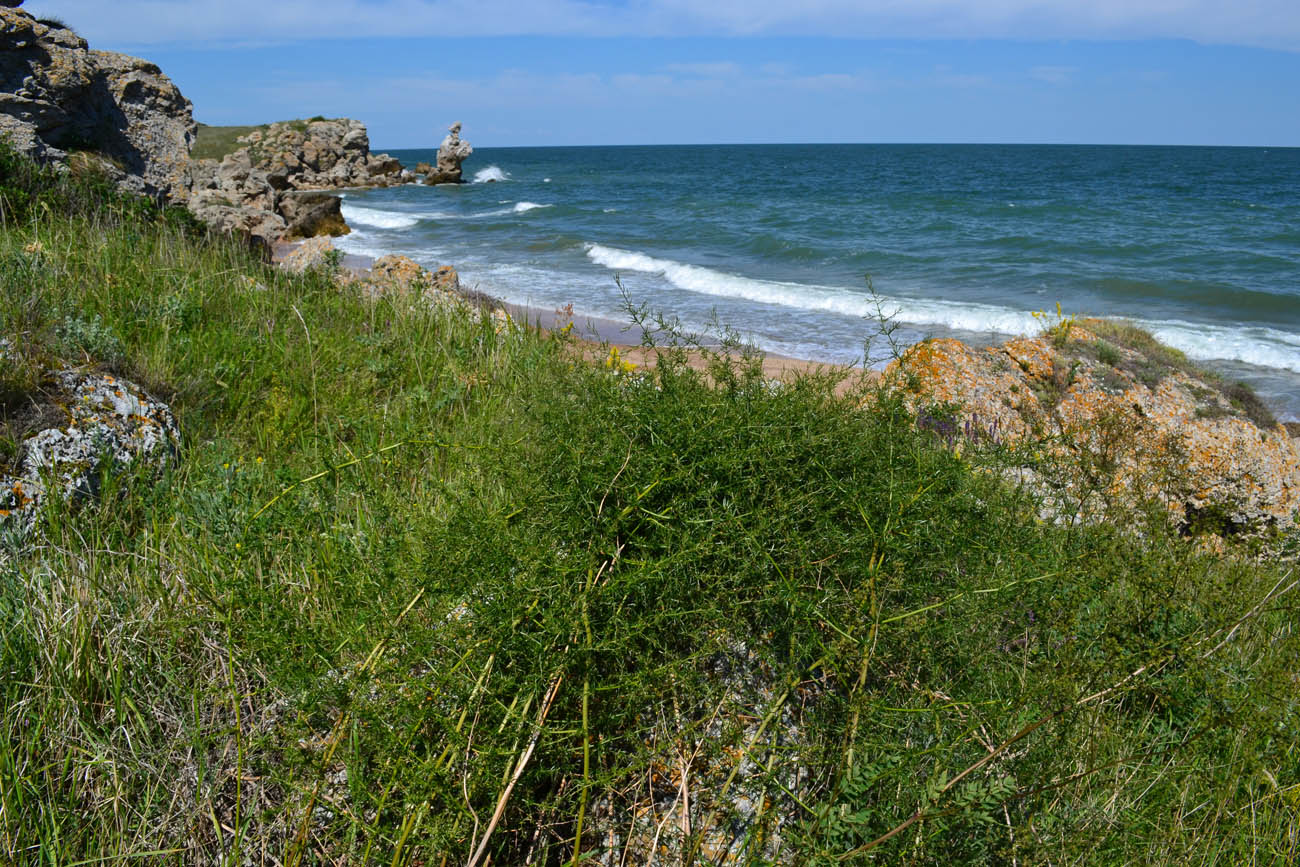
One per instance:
(594, 332)
(597, 331)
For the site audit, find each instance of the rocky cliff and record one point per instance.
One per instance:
(57, 96)
(59, 99)
(319, 154)
(265, 189)
(1104, 419)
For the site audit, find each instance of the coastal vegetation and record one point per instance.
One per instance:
(424, 591)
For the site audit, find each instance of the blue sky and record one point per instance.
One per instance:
(678, 71)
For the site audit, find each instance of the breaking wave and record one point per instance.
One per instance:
(355, 215)
(1265, 347)
(490, 174)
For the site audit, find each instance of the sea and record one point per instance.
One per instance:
(846, 253)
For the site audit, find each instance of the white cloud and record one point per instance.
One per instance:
(1269, 23)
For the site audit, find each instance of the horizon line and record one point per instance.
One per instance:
(868, 144)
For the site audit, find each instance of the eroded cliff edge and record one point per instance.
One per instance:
(59, 98)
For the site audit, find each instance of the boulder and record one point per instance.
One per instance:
(112, 426)
(1107, 426)
(383, 166)
(314, 253)
(451, 153)
(258, 228)
(400, 276)
(312, 213)
(397, 276)
(57, 96)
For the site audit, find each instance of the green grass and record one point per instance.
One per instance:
(1156, 361)
(214, 142)
(405, 560)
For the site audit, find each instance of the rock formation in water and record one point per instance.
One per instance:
(59, 97)
(1106, 420)
(451, 153)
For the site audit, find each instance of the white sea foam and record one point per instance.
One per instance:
(360, 244)
(491, 173)
(1261, 346)
(525, 207)
(803, 296)
(355, 215)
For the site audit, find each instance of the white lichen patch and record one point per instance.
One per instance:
(112, 426)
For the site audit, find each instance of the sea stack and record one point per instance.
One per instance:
(451, 153)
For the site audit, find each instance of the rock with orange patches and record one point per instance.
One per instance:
(1106, 436)
(1033, 355)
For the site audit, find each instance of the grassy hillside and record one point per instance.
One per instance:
(418, 589)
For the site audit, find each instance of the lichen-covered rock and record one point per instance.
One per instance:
(112, 426)
(57, 95)
(314, 253)
(397, 276)
(1128, 427)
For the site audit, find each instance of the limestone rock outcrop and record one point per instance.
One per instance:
(1107, 423)
(111, 425)
(399, 276)
(320, 155)
(232, 196)
(58, 96)
(451, 153)
(273, 187)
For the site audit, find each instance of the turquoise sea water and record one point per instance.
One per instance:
(1201, 245)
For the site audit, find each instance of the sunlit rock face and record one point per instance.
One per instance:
(57, 96)
(1131, 427)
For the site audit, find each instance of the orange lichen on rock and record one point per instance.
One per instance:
(1132, 430)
